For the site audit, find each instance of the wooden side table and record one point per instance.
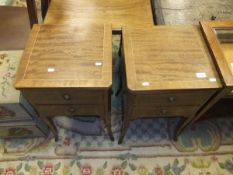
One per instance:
(168, 72)
(67, 70)
(219, 36)
(116, 12)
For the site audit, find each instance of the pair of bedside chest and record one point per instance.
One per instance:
(166, 71)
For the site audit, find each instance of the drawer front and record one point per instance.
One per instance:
(181, 111)
(69, 110)
(173, 99)
(64, 96)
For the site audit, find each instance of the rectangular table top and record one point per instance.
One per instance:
(168, 58)
(116, 12)
(67, 56)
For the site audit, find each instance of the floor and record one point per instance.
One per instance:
(192, 11)
(205, 149)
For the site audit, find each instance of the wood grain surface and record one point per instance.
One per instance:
(168, 72)
(116, 12)
(172, 98)
(67, 70)
(222, 53)
(168, 58)
(67, 56)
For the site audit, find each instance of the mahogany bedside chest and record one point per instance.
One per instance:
(168, 72)
(67, 70)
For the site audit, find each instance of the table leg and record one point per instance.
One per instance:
(183, 123)
(109, 127)
(52, 126)
(44, 7)
(193, 118)
(120, 46)
(106, 116)
(120, 74)
(124, 129)
(32, 12)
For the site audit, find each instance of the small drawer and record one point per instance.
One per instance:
(180, 111)
(64, 96)
(173, 99)
(69, 110)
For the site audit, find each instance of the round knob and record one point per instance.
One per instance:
(163, 111)
(66, 97)
(171, 99)
(71, 110)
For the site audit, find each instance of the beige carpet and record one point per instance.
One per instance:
(206, 149)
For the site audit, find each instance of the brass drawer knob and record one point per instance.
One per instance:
(163, 111)
(66, 97)
(71, 110)
(172, 99)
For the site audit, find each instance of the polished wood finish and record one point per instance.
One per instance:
(168, 72)
(116, 12)
(67, 70)
(172, 99)
(32, 12)
(175, 50)
(14, 27)
(44, 7)
(52, 51)
(223, 62)
(65, 96)
(222, 57)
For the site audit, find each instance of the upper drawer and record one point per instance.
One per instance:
(64, 96)
(174, 98)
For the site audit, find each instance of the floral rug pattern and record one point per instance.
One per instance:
(205, 149)
(124, 164)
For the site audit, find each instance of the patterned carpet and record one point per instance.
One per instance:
(204, 149)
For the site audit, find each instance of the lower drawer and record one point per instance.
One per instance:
(181, 111)
(21, 129)
(69, 110)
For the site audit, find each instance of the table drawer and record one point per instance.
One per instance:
(181, 111)
(64, 96)
(173, 99)
(69, 110)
